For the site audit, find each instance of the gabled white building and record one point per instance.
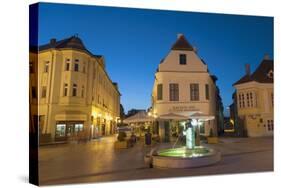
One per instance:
(183, 86)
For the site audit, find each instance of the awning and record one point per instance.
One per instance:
(140, 117)
(201, 116)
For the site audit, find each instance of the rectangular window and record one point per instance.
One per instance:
(84, 67)
(251, 100)
(194, 92)
(248, 99)
(174, 92)
(207, 91)
(76, 67)
(46, 68)
(78, 127)
(44, 92)
(268, 125)
(243, 102)
(240, 101)
(82, 91)
(272, 99)
(60, 130)
(159, 92)
(65, 90)
(31, 68)
(33, 92)
(74, 90)
(67, 66)
(182, 59)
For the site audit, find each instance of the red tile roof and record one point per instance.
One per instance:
(182, 44)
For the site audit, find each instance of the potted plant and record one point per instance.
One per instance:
(212, 139)
(122, 142)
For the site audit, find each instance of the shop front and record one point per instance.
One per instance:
(68, 129)
(70, 125)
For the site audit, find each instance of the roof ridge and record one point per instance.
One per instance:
(182, 44)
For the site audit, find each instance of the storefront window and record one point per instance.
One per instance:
(60, 130)
(78, 127)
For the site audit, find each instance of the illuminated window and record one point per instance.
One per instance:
(159, 92)
(174, 92)
(194, 92)
(182, 59)
(44, 92)
(60, 130)
(74, 90)
(78, 127)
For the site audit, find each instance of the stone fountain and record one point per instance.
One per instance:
(191, 155)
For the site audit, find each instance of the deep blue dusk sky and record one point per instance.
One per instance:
(133, 41)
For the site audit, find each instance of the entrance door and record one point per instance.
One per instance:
(167, 131)
(103, 129)
(70, 129)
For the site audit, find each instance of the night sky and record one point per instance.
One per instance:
(133, 41)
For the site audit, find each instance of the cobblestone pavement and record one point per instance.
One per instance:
(98, 161)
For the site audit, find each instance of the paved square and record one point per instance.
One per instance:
(98, 161)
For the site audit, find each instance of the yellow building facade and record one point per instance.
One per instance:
(71, 93)
(255, 100)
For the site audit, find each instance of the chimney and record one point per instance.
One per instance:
(53, 41)
(247, 68)
(179, 35)
(266, 57)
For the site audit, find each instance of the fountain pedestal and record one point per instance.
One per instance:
(188, 156)
(185, 158)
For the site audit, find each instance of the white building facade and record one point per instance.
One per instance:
(183, 86)
(255, 100)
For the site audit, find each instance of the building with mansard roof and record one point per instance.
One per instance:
(71, 94)
(252, 106)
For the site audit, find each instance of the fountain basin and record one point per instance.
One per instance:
(185, 158)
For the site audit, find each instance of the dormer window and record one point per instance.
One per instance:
(182, 59)
(270, 74)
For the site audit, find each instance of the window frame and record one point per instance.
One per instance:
(159, 90)
(44, 92)
(76, 67)
(182, 59)
(194, 92)
(207, 92)
(74, 90)
(174, 92)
